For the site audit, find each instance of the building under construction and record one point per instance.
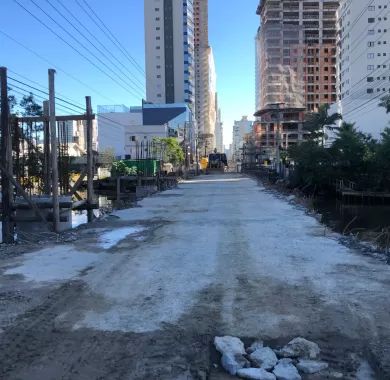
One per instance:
(295, 68)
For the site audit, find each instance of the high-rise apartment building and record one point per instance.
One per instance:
(363, 62)
(297, 48)
(169, 51)
(205, 76)
(218, 128)
(240, 129)
(295, 69)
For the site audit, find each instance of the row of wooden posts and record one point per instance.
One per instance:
(50, 147)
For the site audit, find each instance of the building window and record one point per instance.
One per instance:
(371, 20)
(371, 43)
(370, 79)
(370, 55)
(371, 8)
(370, 90)
(370, 67)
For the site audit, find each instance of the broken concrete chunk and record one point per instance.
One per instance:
(255, 346)
(233, 362)
(300, 348)
(311, 366)
(286, 371)
(264, 357)
(229, 344)
(256, 374)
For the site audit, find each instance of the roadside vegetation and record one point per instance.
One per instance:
(350, 156)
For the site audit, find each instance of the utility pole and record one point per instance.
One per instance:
(6, 158)
(89, 158)
(197, 154)
(54, 154)
(46, 149)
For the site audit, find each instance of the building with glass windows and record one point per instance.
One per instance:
(169, 51)
(363, 59)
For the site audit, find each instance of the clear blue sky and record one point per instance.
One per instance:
(232, 24)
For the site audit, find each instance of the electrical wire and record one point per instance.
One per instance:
(46, 93)
(113, 38)
(79, 81)
(103, 53)
(88, 50)
(72, 47)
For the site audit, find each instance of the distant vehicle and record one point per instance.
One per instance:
(217, 163)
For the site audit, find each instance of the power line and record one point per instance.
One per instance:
(87, 49)
(46, 93)
(110, 35)
(41, 86)
(72, 47)
(139, 86)
(12, 89)
(99, 42)
(56, 67)
(64, 108)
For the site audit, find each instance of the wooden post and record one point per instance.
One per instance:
(46, 149)
(90, 171)
(54, 154)
(6, 158)
(118, 188)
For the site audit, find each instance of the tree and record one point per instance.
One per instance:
(383, 160)
(30, 106)
(170, 150)
(317, 122)
(385, 102)
(119, 169)
(312, 165)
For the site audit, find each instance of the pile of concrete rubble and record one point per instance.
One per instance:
(263, 363)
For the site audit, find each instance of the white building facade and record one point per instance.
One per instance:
(363, 63)
(169, 51)
(218, 128)
(240, 129)
(205, 75)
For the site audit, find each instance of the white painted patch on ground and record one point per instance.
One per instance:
(112, 238)
(79, 218)
(53, 264)
(365, 372)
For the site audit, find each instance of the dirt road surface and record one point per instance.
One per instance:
(142, 294)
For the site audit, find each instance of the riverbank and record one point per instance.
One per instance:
(354, 226)
(27, 242)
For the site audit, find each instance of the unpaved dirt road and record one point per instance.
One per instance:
(142, 294)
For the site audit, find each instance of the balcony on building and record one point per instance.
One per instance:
(311, 6)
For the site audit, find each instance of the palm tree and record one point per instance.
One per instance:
(385, 102)
(317, 122)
